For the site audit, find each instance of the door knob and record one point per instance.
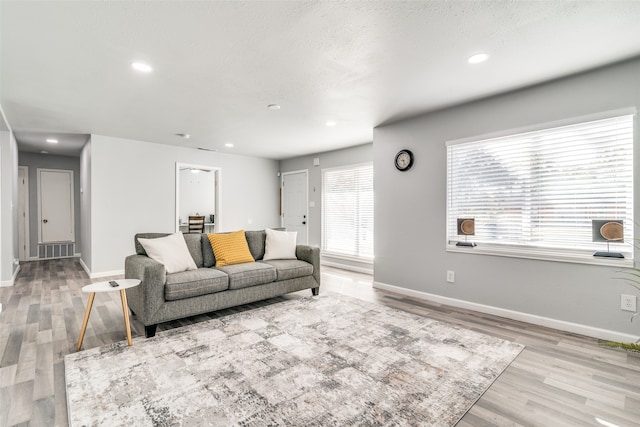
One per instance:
(45, 221)
(304, 222)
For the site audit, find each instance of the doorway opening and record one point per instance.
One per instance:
(197, 193)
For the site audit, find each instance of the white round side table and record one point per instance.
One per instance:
(106, 287)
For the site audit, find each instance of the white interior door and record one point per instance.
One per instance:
(294, 204)
(55, 205)
(23, 213)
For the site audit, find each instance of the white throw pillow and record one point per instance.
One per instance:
(171, 251)
(280, 244)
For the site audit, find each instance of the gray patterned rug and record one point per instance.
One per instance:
(328, 360)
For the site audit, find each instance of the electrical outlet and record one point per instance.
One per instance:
(627, 302)
(451, 276)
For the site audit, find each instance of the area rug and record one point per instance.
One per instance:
(328, 360)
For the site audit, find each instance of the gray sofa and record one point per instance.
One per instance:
(163, 297)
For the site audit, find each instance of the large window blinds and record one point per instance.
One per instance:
(347, 211)
(542, 189)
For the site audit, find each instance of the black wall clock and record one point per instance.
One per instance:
(404, 160)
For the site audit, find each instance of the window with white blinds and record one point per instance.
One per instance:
(540, 190)
(347, 211)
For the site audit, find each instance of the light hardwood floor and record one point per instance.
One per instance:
(559, 379)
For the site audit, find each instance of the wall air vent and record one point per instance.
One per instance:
(56, 250)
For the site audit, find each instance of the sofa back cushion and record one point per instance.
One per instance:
(193, 242)
(208, 258)
(256, 241)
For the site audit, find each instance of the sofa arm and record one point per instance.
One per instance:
(146, 298)
(310, 254)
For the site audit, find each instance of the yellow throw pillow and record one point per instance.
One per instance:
(230, 248)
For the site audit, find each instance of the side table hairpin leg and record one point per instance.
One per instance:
(86, 320)
(125, 310)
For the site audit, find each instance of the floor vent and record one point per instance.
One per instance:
(56, 250)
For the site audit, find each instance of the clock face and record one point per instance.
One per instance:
(404, 160)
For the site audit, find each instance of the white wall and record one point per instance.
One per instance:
(8, 203)
(133, 191)
(410, 209)
(329, 159)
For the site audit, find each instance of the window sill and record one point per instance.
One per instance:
(576, 257)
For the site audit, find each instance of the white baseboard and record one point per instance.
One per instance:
(347, 267)
(11, 281)
(100, 274)
(106, 274)
(562, 325)
(85, 268)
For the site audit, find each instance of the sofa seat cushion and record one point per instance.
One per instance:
(193, 283)
(248, 274)
(290, 268)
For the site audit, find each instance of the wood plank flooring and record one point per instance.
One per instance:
(560, 379)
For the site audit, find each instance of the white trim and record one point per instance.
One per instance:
(306, 192)
(347, 267)
(575, 257)
(85, 268)
(346, 167)
(27, 237)
(11, 281)
(562, 325)
(100, 274)
(106, 274)
(346, 257)
(217, 178)
(628, 111)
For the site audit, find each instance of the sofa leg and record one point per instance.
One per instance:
(150, 331)
(315, 291)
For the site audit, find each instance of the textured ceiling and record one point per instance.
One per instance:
(65, 66)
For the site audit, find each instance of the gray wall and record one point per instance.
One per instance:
(410, 207)
(35, 161)
(329, 159)
(85, 205)
(133, 191)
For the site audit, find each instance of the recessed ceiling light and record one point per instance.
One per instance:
(142, 67)
(52, 141)
(44, 152)
(229, 145)
(183, 135)
(273, 107)
(331, 123)
(478, 58)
